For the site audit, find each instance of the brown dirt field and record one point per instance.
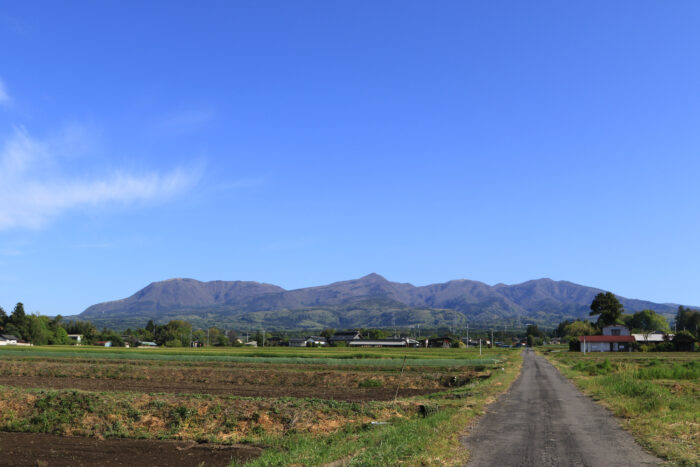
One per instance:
(229, 375)
(32, 449)
(350, 394)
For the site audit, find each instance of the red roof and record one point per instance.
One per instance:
(606, 338)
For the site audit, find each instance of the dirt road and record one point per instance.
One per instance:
(545, 421)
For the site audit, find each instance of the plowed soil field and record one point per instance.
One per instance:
(350, 394)
(36, 449)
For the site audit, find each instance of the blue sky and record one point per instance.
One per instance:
(300, 143)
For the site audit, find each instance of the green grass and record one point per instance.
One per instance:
(432, 439)
(656, 397)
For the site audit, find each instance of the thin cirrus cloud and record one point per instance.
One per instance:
(30, 195)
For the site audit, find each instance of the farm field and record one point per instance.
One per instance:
(656, 396)
(272, 406)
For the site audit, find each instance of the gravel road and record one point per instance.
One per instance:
(543, 420)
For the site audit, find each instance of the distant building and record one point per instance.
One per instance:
(440, 342)
(345, 336)
(8, 339)
(402, 342)
(297, 342)
(655, 337)
(147, 345)
(104, 343)
(616, 330)
(313, 341)
(76, 338)
(615, 338)
(273, 342)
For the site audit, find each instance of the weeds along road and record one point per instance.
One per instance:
(543, 420)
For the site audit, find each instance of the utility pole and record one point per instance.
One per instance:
(480, 346)
(207, 337)
(492, 343)
(467, 336)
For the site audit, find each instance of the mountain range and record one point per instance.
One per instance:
(370, 301)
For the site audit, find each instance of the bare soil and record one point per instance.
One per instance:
(351, 394)
(32, 449)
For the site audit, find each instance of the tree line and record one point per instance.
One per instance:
(609, 311)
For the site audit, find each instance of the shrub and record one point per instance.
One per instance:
(370, 383)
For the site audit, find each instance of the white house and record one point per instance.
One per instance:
(653, 337)
(616, 330)
(313, 341)
(8, 339)
(615, 338)
(77, 338)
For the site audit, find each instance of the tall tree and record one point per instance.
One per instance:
(3, 318)
(688, 320)
(578, 328)
(607, 307)
(648, 321)
(18, 319)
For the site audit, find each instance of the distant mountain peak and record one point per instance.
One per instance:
(373, 276)
(368, 301)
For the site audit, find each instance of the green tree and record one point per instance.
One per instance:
(113, 337)
(327, 333)
(37, 330)
(579, 328)
(607, 307)
(174, 334)
(375, 334)
(85, 328)
(60, 337)
(533, 330)
(687, 320)
(647, 321)
(18, 319)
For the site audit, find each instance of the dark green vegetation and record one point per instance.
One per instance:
(371, 301)
(641, 322)
(343, 422)
(656, 396)
(41, 330)
(607, 307)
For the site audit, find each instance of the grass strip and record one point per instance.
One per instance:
(657, 399)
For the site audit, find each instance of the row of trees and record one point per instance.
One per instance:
(37, 329)
(42, 330)
(609, 311)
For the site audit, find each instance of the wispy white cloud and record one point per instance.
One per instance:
(4, 96)
(31, 194)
